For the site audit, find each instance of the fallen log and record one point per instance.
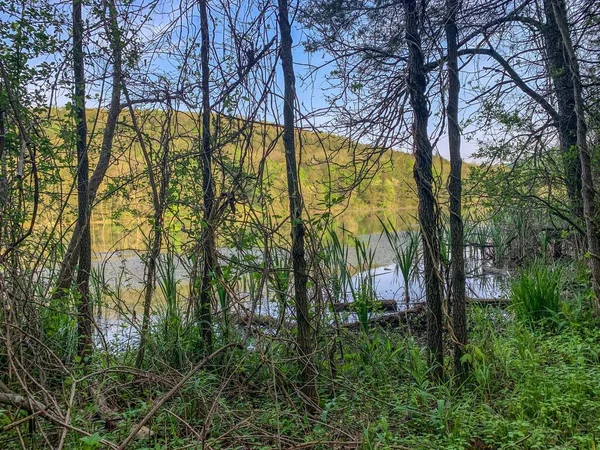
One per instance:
(377, 305)
(400, 318)
(390, 320)
(489, 270)
(500, 301)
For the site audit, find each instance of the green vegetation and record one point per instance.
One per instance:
(267, 251)
(536, 293)
(529, 388)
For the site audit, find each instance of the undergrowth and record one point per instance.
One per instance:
(530, 387)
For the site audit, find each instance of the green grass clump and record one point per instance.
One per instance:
(536, 293)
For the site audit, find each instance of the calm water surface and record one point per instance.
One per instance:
(119, 268)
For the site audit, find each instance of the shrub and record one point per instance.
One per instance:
(536, 293)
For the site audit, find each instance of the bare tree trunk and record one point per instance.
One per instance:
(208, 240)
(67, 268)
(558, 68)
(587, 178)
(457, 263)
(308, 374)
(84, 307)
(428, 211)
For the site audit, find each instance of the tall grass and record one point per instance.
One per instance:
(406, 253)
(352, 282)
(171, 334)
(280, 275)
(536, 293)
(363, 292)
(337, 263)
(59, 325)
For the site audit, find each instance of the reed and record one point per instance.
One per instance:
(405, 246)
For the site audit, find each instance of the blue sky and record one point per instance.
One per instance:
(312, 86)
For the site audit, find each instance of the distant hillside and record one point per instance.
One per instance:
(250, 161)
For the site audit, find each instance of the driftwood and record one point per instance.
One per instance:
(377, 305)
(394, 320)
(488, 270)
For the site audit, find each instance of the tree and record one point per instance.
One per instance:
(208, 239)
(113, 34)
(84, 310)
(547, 90)
(308, 370)
(588, 192)
(457, 260)
(384, 96)
(428, 210)
(563, 90)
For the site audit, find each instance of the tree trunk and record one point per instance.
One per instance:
(159, 204)
(308, 370)
(84, 306)
(457, 263)
(559, 72)
(67, 268)
(428, 211)
(208, 240)
(587, 179)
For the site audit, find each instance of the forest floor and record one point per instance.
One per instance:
(530, 386)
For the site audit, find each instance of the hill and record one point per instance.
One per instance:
(249, 167)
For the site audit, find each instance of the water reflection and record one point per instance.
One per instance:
(120, 275)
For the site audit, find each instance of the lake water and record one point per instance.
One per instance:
(119, 266)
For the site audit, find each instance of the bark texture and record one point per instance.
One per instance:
(428, 210)
(308, 371)
(84, 308)
(209, 246)
(69, 262)
(558, 70)
(587, 177)
(457, 264)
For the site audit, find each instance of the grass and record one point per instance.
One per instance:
(529, 388)
(536, 293)
(363, 292)
(405, 246)
(172, 336)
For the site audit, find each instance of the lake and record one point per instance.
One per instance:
(119, 271)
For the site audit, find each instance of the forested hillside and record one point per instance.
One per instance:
(330, 165)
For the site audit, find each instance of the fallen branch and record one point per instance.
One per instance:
(489, 301)
(390, 320)
(20, 401)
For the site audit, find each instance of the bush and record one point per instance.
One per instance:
(536, 293)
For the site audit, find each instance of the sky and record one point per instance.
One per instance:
(311, 90)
